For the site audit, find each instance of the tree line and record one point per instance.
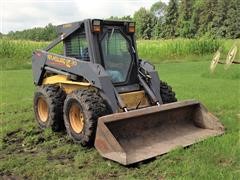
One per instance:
(46, 33)
(189, 19)
(178, 18)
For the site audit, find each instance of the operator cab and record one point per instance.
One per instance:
(117, 49)
(109, 43)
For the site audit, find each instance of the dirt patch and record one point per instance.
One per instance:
(17, 136)
(63, 158)
(10, 176)
(31, 141)
(13, 141)
(33, 132)
(12, 137)
(110, 175)
(225, 162)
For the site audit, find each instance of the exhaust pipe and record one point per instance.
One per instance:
(137, 135)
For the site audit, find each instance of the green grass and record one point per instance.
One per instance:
(28, 152)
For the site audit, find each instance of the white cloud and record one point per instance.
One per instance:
(23, 14)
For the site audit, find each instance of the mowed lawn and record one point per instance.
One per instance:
(27, 152)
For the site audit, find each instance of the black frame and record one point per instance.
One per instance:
(92, 70)
(133, 60)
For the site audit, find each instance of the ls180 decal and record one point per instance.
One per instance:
(61, 61)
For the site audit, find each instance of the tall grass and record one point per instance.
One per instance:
(16, 54)
(179, 49)
(21, 48)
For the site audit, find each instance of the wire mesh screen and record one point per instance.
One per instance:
(76, 46)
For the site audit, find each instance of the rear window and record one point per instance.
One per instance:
(76, 46)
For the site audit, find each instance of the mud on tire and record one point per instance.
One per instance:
(48, 107)
(167, 94)
(82, 108)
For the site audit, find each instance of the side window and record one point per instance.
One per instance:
(76, 46)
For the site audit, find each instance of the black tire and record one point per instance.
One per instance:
(167, 94)
(81, 123)
(50, 98)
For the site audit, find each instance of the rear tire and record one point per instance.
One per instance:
(48, 107)
(82, 108)
(167, 94)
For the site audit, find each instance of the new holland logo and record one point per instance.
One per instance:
(62, 61)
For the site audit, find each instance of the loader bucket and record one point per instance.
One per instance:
(137, 135)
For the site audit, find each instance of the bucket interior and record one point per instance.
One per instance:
(148, 135)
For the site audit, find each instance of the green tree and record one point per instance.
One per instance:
(195, 19)
(47, 33)
(207, 12)
(233, 19)
(171, 19)
(145, 21)
(127, 18)
(159, 10)
(186, 27)
(219, 28)
(180, 18)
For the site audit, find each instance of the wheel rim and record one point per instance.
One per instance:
(76, 118)
(42, 107)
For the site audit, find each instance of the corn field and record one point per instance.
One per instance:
(165, 50)
(22, 48)
(16, 54)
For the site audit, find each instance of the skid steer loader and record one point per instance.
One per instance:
(104, 95)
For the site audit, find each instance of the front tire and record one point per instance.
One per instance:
(82, 108)
(48, 107)
(167, 94)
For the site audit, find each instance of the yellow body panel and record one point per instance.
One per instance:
(67, 85)
(135, 99)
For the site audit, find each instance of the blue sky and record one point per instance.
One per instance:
(23, 14)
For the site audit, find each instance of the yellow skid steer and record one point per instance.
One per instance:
(104, 95)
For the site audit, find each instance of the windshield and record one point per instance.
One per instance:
(116, 55)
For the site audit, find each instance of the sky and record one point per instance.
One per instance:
(23, 14)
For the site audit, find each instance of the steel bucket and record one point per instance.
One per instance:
(137, 135)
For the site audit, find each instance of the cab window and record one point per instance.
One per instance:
(116, 55)
(76, 46)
